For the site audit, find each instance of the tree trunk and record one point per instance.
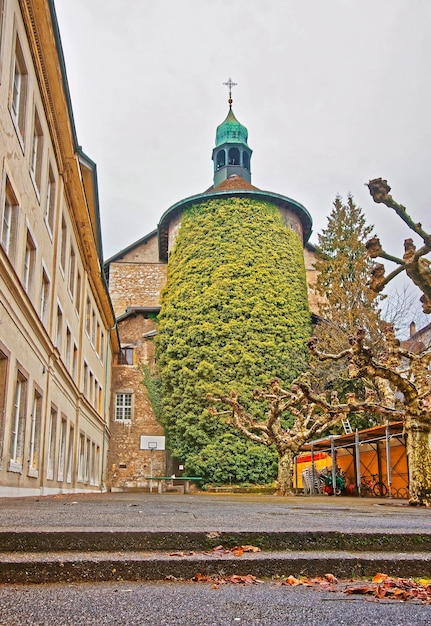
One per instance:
(285, 473)
(418, 448)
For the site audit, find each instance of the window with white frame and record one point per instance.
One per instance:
(19, 91)
(72, 270)
(9, 223)
(52, 435)
(78, 292)
(88, 317)
(70, 456)
(102, 346)
(93, 472)
(59, 328)
(18, 424)
(75, 362)
(62, 449)
(44, 297)
(63, 245)
(85, 380)
(123, 407)
(50, 200)
(68, 357)
(81, 457)
(4, 364)
(29, 264)
(97, 465)
(87, 460)
(35, 434)
(36, 152)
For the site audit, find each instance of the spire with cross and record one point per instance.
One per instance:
(230, 84)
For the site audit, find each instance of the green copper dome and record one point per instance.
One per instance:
(231, 131)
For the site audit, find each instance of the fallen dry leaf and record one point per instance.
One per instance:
(379, 578)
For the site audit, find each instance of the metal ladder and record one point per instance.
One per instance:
(347, 427)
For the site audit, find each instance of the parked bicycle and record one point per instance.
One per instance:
(373, 487)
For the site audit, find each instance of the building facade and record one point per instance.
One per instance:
(57, 326)
(136, 278)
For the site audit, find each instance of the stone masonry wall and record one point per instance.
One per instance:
(127, 464)
(135, 284)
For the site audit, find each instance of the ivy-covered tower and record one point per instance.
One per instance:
(234, 311)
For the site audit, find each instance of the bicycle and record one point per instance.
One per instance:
(372, 487)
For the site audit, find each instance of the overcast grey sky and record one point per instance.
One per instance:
(333, 93)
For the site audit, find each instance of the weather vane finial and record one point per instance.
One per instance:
(230, 84)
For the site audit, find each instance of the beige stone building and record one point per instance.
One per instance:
(56, 319)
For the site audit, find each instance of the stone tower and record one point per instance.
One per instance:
(137, 276)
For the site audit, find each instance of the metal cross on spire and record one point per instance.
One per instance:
(230, 84)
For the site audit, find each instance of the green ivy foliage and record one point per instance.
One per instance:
(154, 390)
(234, 314)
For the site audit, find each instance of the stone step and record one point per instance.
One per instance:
(61, 540)
(33, 567)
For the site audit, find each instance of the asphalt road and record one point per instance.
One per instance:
(205, 512)
(198, 604)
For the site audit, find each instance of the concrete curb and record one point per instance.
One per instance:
(101, 566)
(60, 540)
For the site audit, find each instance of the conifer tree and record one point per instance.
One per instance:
(343, 268)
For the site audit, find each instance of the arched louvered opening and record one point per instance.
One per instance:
(234, 156)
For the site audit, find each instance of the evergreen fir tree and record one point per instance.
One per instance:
(343, 268)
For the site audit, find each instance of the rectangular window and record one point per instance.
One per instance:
(50, 200)
(91, 389)
(125, 356)
(100, 400)
(97, 338)
(123, 407)
(18, 424)
(68, 357)
(63, 245)
(78, 292)
(70, 456)
(9, 224)
(36, 421)
(81, 457)
(93, 472)
(36, 152)
(62, 449)
(87, 461)
(4, 362)
(72, 269)
(19, 90)
(96, 394)
(93, 328)
(97, 464)
(88, 317)
(52, 434)
(44, 297)
(85, 381)
(29, 265)
(59, 329)
(75, 362)
(102, 346)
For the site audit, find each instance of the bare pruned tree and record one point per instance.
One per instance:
(292, 420)
(413, 262)
(400, 370)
